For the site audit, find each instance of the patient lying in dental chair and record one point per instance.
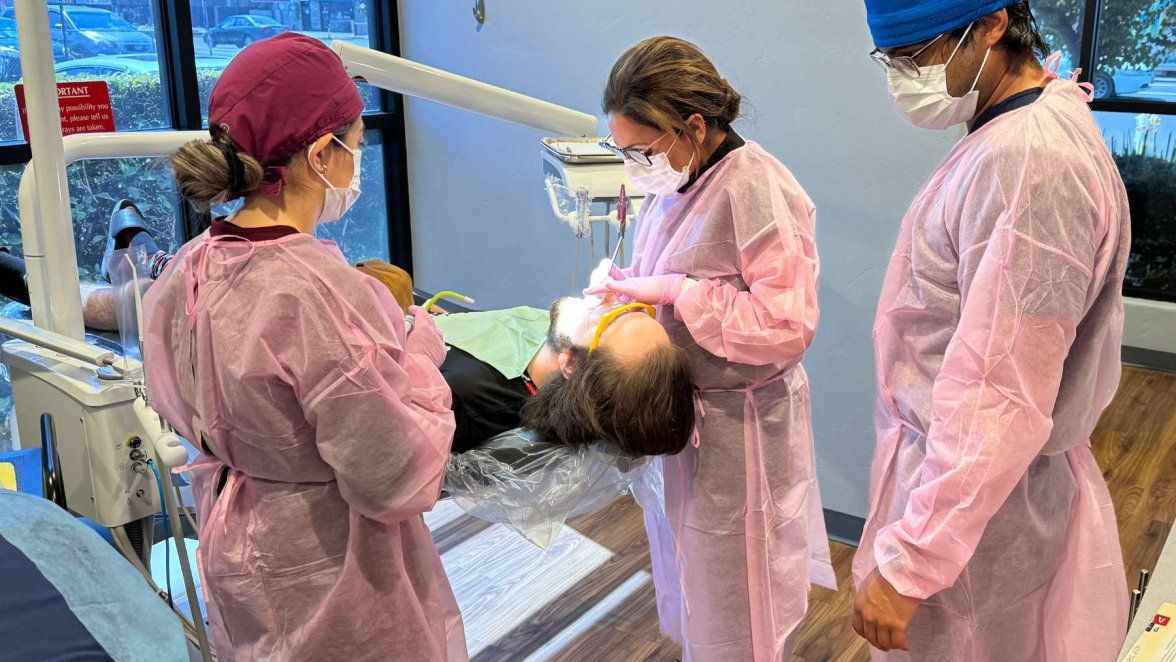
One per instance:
(590, 417)
(532, 368)
(526, 367)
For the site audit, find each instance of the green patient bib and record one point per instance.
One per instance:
(507, 340)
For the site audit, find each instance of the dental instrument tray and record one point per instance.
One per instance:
(579, 150)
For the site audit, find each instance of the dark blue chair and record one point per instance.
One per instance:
(27, 464)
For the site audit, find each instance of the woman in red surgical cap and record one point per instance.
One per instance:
(323, 425)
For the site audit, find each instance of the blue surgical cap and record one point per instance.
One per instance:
(895, 23)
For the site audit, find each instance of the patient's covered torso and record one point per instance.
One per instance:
(485, 403)
(488, 354)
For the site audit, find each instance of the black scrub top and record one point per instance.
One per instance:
(485, 403)
(1018, 100)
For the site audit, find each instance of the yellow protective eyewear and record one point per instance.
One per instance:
(613, 314)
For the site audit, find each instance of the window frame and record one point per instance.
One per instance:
(1088, 45)
(176, 49)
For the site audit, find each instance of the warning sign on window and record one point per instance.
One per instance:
(85, 108)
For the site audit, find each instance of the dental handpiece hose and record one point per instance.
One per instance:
(446, 294)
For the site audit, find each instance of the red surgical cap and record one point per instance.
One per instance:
(277, 97)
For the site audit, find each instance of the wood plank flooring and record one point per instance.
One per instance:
(591, 597)
(1135, 444)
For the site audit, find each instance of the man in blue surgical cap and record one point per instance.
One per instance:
(991, 535)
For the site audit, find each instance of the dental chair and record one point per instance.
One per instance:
(69, 595)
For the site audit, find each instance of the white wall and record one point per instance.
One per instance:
(1150, 325)
(481, 223)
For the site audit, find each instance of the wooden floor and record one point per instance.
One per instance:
(591, 597)
(1135, 444)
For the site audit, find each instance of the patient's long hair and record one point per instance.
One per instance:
(645, 407)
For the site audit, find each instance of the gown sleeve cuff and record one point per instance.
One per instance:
(691, 304)
(900, 563)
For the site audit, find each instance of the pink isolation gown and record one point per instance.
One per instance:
(997, 345)
(324, 434)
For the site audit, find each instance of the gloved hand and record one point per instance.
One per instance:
(654, 290)
(425, 339)
(605, 270)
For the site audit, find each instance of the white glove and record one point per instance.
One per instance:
(604, 271)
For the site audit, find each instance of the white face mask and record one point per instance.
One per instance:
(338, 200)
(925, 101)
(659, 177)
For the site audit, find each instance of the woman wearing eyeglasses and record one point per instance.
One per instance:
(725, 246)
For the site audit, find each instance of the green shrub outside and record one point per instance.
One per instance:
(1150, 179)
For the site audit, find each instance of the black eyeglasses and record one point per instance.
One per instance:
(904, 64)
(638, 155)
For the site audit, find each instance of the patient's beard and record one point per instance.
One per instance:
(567, 315)
(544, 365)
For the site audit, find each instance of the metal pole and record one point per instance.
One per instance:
(47, 236)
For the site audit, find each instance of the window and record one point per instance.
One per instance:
(116, 44)
(96, 186)
(1127, 51)
(221, 36)
(145, 50)
(140, 48)
(1144, 147)
(1135, 50)
(363, 233)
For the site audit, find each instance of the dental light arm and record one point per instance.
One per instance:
(417, 80)
(56, 342)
